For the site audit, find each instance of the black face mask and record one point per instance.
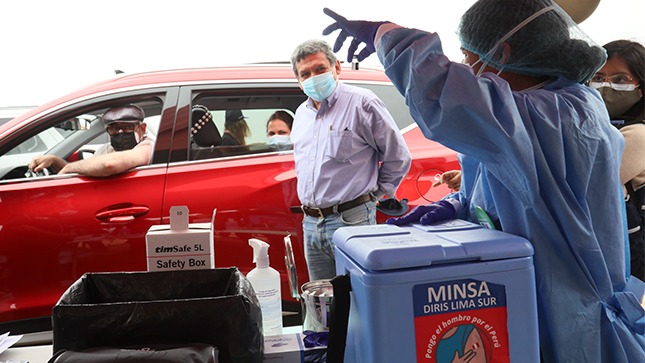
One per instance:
(123, 141)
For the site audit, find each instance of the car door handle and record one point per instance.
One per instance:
(121, 214)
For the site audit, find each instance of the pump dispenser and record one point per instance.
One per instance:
(266, 284)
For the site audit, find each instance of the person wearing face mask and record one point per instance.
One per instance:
(348, 151)
(538, 155)
(620, 83)
(278, 130)
(129, 147)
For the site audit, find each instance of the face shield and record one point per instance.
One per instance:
(532, 37)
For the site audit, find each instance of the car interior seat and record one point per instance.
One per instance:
(204, 133)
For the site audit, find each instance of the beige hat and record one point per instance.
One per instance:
(578, 10)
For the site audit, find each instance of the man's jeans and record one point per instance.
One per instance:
(318, 232)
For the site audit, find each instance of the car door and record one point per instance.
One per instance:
(55, 228)
(252, 187)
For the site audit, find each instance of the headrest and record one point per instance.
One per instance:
(203, 130)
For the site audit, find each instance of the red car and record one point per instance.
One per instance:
(55, 228)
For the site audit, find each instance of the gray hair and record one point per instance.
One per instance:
(308, 48)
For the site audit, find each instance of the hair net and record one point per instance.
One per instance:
(534, 37)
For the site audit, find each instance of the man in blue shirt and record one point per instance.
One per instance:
(348, 152)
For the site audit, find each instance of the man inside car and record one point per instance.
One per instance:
(129, 147)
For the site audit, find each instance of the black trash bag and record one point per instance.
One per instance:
(196, 353)
(316, 356)
(215, 307)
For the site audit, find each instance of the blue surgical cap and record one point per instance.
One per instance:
(533, 37)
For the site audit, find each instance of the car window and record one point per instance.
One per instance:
(72, 138)
(256, 119)
(257, 108)
(256, 111)
(13, 162)
(40, 142)
(394, 102)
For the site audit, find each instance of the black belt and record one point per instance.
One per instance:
(325, 212)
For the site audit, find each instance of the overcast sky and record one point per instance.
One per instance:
(50, 48)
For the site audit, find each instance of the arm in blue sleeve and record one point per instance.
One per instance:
(469, 114)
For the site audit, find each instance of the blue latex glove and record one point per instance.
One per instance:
(362, 31)
(316, 339)
(426, 214)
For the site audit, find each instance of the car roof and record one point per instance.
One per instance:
(235, 74)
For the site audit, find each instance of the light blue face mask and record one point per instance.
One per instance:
(319, 87)
(279, 139)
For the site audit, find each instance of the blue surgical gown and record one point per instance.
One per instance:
(543, 163)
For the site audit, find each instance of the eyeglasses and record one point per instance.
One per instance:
(619, 82)
(125, 128)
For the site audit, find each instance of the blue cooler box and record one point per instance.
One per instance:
(449, 292)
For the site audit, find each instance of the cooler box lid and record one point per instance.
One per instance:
(387, 247)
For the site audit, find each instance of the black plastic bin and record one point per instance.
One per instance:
(216, 307)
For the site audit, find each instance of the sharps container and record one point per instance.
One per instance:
(448, 292)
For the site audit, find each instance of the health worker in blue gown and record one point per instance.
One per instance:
(539, 156)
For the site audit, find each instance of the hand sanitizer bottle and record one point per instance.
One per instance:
(266, 284)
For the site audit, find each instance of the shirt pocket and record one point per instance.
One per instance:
(340, 145)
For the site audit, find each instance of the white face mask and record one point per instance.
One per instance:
(279, 139)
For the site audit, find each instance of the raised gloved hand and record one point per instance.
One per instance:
(362, 31)
(426, 214)
(316, 339)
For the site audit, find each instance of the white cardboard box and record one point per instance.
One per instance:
(285, 348)
(180, 245)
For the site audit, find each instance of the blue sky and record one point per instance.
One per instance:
(50, 48)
